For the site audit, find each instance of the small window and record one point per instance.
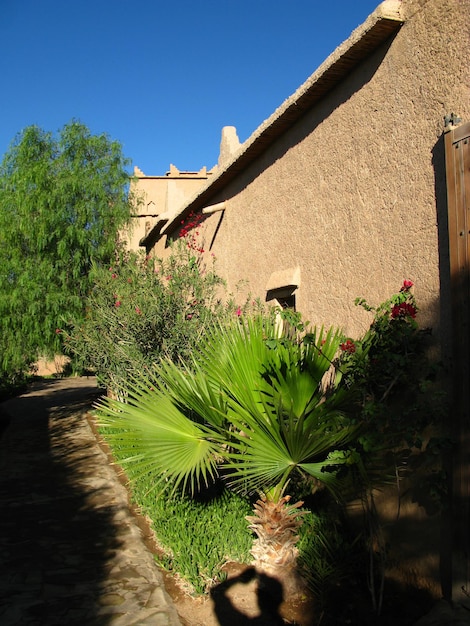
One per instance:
(281, 291)
(284, 297)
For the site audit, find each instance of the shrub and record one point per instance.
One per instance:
(143, 309)
(401, 405)
(400, 416)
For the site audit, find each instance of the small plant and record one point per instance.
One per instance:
(326, 556)
(197, 535)
(251, 406)
(13, 382)
(401, 405)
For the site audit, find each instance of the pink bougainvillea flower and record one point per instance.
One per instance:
(117, 304)
(238, 311)
(348, 346)
(404, 309)
(407, 284)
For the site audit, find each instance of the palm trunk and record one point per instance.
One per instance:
(276, 524)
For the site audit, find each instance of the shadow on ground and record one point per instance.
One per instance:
(55, 540)
(269, 598)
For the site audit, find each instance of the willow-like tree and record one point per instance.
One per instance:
(63, 200)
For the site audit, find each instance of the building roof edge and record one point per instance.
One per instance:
(382, 24)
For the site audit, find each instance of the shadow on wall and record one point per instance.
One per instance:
(444, 303)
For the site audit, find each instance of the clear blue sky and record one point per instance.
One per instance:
(162, 77)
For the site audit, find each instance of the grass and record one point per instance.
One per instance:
(198, 535)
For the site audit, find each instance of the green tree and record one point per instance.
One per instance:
(63, 200)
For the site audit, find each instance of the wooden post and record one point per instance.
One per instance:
(457, 149)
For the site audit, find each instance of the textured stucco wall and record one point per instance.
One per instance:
(354, 193)
(354, 196)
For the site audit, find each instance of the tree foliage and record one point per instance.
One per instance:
(63, 200)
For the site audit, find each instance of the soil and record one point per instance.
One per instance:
(246, 598)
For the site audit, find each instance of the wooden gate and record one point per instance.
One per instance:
(457, 149)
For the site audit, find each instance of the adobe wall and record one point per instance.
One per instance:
(156, 195)
(353, 197)
(354, 193)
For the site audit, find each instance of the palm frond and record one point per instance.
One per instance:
(153, 435)
(250, 399)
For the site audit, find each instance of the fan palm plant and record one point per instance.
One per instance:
(251, 403)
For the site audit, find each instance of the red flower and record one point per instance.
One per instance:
(238, 311)
(348, 346)
(113, 275)
(407, 284)
(58, 331)
(137, 310)
(404, 309)
(117, 304)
